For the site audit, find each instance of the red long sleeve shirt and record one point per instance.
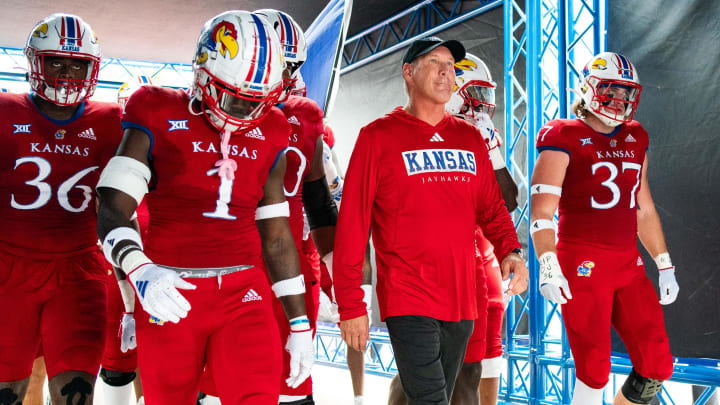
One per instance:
(422, 189)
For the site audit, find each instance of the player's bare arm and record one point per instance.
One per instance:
(649, 228)
(545, 186)
(508, 188)
(116, 207)
(652, 237)
(122, 186)
(277, 243)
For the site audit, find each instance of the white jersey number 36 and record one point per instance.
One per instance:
(610, 183)
(45, 190)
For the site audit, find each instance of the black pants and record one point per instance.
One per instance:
(428, 354)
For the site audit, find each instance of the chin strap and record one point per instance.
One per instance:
(226, 166)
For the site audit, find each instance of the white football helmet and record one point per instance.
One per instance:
(65, 36)
(128, 88)
(294, 47)
(238, 69)
(299, 89)
(474, 90)
(610, 88)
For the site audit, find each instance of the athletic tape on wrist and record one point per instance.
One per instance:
(540, 224)
(496, 159)
(662, 261)
(133, 261)
(272, 211)
(127, 175)
(289, 286)
(548, 261)
(545, 189)
(115, 236)
(299, 324)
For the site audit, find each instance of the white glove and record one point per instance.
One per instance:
(552, 282)
(669, 287)
(156, 289)
(302, 355)
(127, 332)
(327, 310)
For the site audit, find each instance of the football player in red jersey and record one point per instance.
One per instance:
(423, 180)
(218, 218)
(593, 169)
(53, 275)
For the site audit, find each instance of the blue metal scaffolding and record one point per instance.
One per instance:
(546, 44)
(425, 18)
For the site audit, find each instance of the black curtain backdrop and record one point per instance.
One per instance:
(675, 46)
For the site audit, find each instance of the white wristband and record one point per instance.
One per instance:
(545, 189)
(289, 286)
(273, 210)
(662, 261)
(540, 224)
(367, 295)
(115, 236)
(299, 324)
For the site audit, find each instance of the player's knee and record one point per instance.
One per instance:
(117, 378)
(492, 368)
(640, 390)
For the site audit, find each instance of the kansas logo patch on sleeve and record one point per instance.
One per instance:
(439, 161)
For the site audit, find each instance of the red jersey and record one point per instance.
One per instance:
(598, 205)
(423, 189)
(305, 119)
(49, 170)
(197, 219)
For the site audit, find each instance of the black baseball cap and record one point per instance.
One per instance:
(424, 45)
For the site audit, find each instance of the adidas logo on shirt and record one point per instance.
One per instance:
(436, 138)
(255, 133)
(639, 261)
(251, 296)
(630, 138)
(88, 133)
(293, 120)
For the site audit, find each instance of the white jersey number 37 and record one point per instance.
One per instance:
(610, 183)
